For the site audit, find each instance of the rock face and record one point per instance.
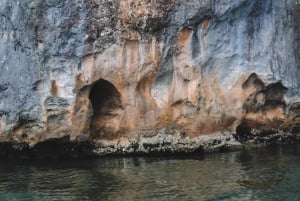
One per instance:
(149, 75)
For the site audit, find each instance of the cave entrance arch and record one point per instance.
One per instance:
(106, 103)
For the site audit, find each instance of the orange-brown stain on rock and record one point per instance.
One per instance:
(209, 125)
(54, 88)
(205, 25)
(184, 35)
(268, 115)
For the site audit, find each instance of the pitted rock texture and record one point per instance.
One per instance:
(129, 71)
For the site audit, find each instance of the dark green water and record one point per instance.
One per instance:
(269, 174)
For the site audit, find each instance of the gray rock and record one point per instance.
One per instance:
(183, 63)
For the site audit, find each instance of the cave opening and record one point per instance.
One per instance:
(106, 104)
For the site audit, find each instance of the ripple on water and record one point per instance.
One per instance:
(268, 174)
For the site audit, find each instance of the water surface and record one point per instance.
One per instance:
(267, 174)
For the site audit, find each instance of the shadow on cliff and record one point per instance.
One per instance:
(106, 103)
(59, 148)
(264, 109)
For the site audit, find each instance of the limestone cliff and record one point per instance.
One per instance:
(149, 75)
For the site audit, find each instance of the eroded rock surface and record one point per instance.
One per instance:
(149, 75)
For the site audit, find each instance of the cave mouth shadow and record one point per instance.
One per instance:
(107, 107)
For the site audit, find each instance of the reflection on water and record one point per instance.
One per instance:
(269, 174)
